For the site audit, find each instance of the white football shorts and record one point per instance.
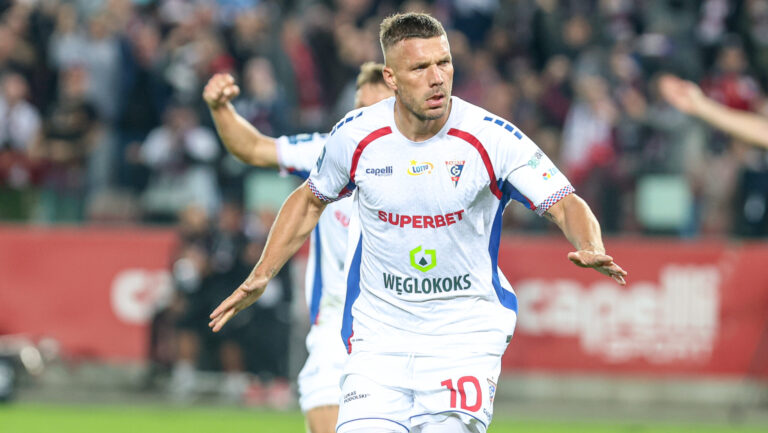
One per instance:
(403, 392)
(319, 378)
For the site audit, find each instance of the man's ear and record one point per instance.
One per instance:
(389, 78)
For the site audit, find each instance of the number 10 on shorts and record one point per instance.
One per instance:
(460, 389)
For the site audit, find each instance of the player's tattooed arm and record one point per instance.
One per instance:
(240, 138)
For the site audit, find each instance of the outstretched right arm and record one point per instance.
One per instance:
(240, 138)
(688, 98)
(294, 223)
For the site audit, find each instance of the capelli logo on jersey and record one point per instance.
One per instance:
(454, 169)
(419, 168)
(386, 171)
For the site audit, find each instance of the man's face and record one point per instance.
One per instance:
(421, 73)
(369, 94)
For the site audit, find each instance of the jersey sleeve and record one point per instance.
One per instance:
(529, 175)
(329, 179)
(297, 154)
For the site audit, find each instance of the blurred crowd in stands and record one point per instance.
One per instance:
(213, 258)
(101, 118)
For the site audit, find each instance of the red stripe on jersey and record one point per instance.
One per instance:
(365, 142)
(349, 342)
(471, 139)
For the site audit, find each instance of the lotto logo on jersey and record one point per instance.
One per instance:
(454, 169)
(419, 168)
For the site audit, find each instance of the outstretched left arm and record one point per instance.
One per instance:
(578, 223)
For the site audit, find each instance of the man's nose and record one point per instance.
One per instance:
(435, 76)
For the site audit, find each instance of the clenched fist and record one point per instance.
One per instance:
(221, 89)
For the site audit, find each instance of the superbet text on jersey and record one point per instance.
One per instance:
(422, 259)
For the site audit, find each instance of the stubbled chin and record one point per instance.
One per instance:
(434, 113)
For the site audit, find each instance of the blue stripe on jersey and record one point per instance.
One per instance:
(353, 291)
(317, 283)
(507, 298)
(302, 174)
(510, 192)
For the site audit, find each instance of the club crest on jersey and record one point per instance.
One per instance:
(491, 390)
(454, 169)
(419, 168)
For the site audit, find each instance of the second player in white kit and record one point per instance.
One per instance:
(325, 284)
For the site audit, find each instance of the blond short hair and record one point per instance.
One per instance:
(370, 73)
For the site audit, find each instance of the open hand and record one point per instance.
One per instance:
(684, 95)
(221, 89)
(600, 262)
(240, 299)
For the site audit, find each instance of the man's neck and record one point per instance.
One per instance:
(416, 129)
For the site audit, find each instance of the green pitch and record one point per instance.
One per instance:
(27, 418)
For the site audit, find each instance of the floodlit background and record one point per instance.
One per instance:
(123, 221)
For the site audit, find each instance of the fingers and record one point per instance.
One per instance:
(588, 259)
(671, 87)
(225, 305)
(680, 93)
(600, 262)
(614, 271)
(221, 88)
(224, 311)
(240, 299)
(219, 322)
(230, 92)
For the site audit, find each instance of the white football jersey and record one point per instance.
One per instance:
(325, 283)
(422, 267)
